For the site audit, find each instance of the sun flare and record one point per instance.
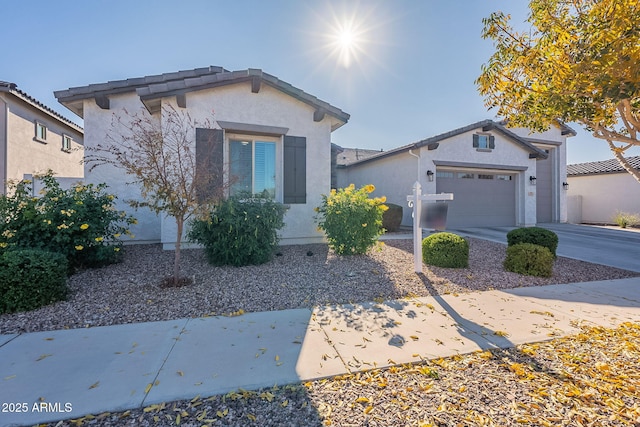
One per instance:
(346, 43)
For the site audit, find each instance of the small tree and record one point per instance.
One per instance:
(159, 152)
(579, 62)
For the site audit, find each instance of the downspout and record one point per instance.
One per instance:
(5, 148)
(417, 157)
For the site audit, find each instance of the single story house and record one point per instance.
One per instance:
(597, 190)
(499, 176)
(270, 134)
(34, 138)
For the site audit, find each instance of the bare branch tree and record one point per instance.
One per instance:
(159, 153)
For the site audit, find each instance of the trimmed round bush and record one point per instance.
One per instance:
(529, 259)
(445, 250)
(31, 278)
(240, 231)
(534, 235)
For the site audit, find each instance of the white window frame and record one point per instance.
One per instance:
(252, 139)
(66, 143)
(38, 127)
(483, 137)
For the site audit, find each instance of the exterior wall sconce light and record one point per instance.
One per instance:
(532, 180)
(565, 185)
(430, 175)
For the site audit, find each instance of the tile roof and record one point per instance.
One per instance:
(181, 82)
(433, 141)
(12, 88)
(601, 167)
(350, 155)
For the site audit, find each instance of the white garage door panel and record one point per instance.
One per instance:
(479, 202)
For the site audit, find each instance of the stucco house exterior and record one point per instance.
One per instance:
(597, 190)
(270, 134)
(499, 176)
(34, 138)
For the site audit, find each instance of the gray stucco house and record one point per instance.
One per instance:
(271, 135)
(34, 138)
(499, 176)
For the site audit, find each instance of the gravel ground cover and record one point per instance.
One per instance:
(590, 379)
(300, 276)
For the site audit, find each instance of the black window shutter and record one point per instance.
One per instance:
(492, 142)
(476, 140)
(295, 169)
(209, 161)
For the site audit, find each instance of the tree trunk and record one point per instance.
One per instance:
(176, 260)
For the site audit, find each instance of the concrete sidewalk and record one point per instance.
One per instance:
(49, 376)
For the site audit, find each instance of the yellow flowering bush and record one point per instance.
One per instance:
(351, 219)
(80, 223)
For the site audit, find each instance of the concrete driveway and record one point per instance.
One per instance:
(609, 246)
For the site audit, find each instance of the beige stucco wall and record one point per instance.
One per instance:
(393, 178)
(24, 154)
(604, 194)
(97, 125)
(233, 103)
(395, 175)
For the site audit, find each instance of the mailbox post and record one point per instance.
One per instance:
(415, 201)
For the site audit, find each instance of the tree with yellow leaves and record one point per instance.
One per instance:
(578, 62)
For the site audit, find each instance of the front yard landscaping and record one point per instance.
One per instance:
(298, 276)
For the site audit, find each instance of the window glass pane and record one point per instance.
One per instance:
(504, 177)
(265, 168)
(485, 176)
(41, 131)
(483, 141)
(465, 175)
(443, 174)
(240, 166)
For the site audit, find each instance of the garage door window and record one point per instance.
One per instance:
(465, 175)
(485, 176)
(504, 177)
(443, 174)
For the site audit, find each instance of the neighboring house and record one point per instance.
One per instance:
(499, 176)
(34, 138)
(597, 190)
(270, 135)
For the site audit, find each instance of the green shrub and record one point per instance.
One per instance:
(81, 223)
(240, 231)
(534, 235)
(351, 220)
(625, 219)
(445, 250)
(529, 259)
(31, 278)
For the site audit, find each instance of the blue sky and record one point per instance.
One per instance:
(410, 77)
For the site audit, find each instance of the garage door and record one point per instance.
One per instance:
(480, 199)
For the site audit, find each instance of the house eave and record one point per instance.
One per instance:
(433, 142)
(12, 89)
(152, 88)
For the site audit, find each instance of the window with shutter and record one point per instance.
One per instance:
(484, 142)
(295, 169)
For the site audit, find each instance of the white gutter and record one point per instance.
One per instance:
(3, 175)
(418, 157)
